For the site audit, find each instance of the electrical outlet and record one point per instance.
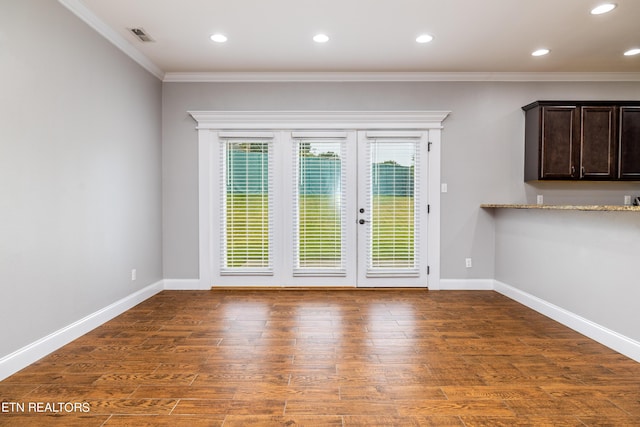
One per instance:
(134, 274)
(443, 188)
(539, 199)
(627, 200)
(468, 262)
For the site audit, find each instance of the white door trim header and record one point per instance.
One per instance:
(294, 120)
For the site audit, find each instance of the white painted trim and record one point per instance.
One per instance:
(30, 353)
(315, 120)
(466, 285)
(392, 134)
(185, 285)
(244, 135)
(434, 201)
(210, 123)
(612, 339)
(91, 19)
(226, 77)
(599, 333)
(205, 207)
(320, 134)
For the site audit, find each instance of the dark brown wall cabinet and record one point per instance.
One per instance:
(582, 140)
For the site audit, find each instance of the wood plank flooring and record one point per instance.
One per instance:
(329, 358)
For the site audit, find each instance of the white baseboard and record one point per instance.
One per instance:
(599, 333)
(185, 285)
(466, 284)
(28, 354)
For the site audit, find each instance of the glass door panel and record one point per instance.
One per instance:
(391, 232)
(319, 208)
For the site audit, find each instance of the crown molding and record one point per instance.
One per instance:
(81, 11)
(231, 77)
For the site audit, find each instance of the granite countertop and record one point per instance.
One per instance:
(615, 208)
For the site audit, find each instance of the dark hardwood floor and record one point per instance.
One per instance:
(329, 358)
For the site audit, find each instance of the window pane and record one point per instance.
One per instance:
(392, 203)
(319, 199)
(247, 213)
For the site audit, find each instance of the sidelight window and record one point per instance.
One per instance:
(247, 211)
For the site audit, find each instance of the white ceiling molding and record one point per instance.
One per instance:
(231, 120)
(81, 11)
(121, 42)
(234, 77)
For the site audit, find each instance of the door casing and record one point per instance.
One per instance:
(212, 125)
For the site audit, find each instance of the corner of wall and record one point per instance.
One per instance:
(28, 354)
(599, 333)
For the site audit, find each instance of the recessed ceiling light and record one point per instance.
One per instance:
(321, 38)
(632, 52)
(424, 38)
(219, 38)
(603, 8)
(540, 52)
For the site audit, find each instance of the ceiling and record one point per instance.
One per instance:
(470, 36)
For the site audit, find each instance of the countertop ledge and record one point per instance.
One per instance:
(612, 208)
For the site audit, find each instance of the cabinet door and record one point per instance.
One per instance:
(629, 143)
(597, 142)
(558, 148)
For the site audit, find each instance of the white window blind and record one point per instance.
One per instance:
(319, 217)
(247, 206)
(394, 165)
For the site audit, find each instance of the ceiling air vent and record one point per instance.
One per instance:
(141, 34)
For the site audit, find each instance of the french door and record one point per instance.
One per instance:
(321, 208)
(392, 209)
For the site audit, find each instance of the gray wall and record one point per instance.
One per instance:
(80, 172)
(482, 153)
(84, 182)
(584, 262)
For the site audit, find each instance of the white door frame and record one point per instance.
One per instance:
(391, 277)
(210, 123)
